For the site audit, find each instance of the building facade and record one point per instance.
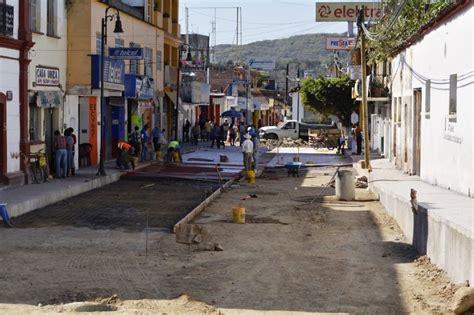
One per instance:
(133, 89)
(15, 42)
(47, 74)
(432, 97)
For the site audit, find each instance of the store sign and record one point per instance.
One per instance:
(340, 43)
(47, 76)
(263, 64)
(114, 73)
(347, 11)
(134, 53)
(145, 88)
(200, 92)
(230, 101)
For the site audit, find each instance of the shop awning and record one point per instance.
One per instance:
(49, 99)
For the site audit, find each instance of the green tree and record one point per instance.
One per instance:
(329, 96)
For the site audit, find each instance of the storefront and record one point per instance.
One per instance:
(114, 101)
(140, 93)
(45, 110)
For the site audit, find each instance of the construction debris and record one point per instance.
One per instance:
(463, 300)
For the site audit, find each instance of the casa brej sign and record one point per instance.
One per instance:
(347, 11)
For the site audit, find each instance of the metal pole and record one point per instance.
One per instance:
(365, 114)
(101, 171)
(286, 86)
(247, 98)
(176, 110)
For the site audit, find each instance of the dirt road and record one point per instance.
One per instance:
(294, 255)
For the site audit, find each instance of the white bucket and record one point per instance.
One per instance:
(345, 188)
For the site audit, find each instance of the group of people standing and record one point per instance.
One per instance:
(64, 151)
(206, 130)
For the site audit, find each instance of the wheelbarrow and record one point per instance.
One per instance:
(293, 168)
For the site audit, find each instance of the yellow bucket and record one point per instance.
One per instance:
(239, 215)
(158, 155)
(134, 161)
(250, 177)
(175, 156)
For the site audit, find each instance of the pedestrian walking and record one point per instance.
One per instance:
(155, 135)
(232, 134)
(69, 151)
(222, 135)
(144, 143)
(136, 141)
(186, 127)
(207, 130)
(74, 138)
(196, 132)
(256, 143)
(358, 135)
(241, 133)
(60, 154)
(215, 136)
(247, 151)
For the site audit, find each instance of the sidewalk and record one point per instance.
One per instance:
(442, 227)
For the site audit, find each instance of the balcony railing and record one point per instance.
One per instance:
(6, 20)
(171, 75)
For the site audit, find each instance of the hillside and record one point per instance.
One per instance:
(308, 49)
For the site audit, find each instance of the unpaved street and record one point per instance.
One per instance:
(296, 253)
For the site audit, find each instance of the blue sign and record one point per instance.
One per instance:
(240, 82)
(114, 73)
(126, 53)
(139, 87)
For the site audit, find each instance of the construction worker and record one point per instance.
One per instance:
(174, 155)
(125, 152)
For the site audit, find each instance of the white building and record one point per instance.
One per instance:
(47, 74)
(432, 100)
(13, 39)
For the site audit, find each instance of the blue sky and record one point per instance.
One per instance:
(261, 19)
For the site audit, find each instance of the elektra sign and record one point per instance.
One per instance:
(346, 11)
(126, 53)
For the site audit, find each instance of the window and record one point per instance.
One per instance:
(148, 58)
(134, 64)
(35, 122)
(427, 99)
(35, 15)
(51, 18)
(453, 87)
(158, 60)
(399, 110)
(148, 10)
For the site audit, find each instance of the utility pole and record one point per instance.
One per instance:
(286, 86)
(187, 25)
(364, 107)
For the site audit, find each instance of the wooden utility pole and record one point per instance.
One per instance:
(364, 107)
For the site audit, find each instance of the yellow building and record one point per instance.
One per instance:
(133, 89)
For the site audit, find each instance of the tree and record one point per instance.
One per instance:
(329, 96)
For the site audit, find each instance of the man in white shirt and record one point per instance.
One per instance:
(247, 151)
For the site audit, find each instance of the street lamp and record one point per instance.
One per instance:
(103, 36)
(176, 109)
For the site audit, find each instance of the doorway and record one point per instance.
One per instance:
(417, 132)
(3, 136)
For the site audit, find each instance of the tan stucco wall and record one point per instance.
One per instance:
(83, 24)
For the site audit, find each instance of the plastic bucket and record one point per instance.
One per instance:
(250, 175)
(345, 189)
(175, 156)
(158, 156)
(239, 215)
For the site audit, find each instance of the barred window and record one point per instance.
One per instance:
(148, 57)
(158, 60)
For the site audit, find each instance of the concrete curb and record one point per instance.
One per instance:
(196, 211)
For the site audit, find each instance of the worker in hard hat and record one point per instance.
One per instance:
(174, 153)
(125, 152)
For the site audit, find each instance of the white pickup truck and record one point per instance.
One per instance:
(291, 129)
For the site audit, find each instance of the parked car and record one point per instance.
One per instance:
(292, 129)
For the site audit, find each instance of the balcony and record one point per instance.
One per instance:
(171, 75)
(6, 20)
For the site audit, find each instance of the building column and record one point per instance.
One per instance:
(24, 35)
